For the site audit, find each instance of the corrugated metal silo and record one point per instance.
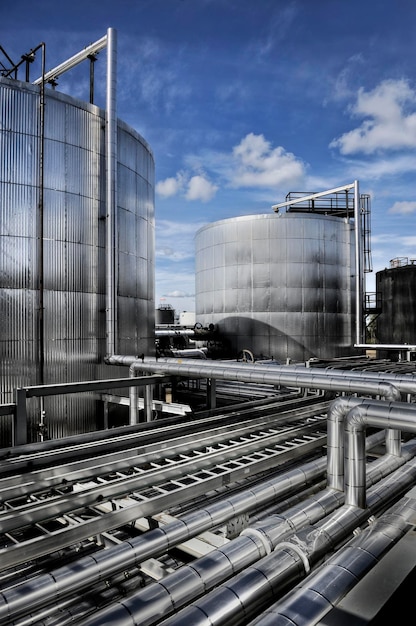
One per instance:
(53, 310)
(280, 285)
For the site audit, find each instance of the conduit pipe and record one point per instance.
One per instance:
(147, 606)
(309, 602)
(355, 414)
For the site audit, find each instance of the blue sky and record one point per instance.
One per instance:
(243, 101)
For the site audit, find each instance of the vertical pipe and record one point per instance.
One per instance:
(147, 402)
(92, 59)
(133, 395)
(111, 191)
(40, 227)
(211, 393)
(358, 266)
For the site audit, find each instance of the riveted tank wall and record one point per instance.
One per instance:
(280, 285)
(63, 298)
(396, 296)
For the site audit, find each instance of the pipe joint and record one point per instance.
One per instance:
(299, 552)
(259, 537)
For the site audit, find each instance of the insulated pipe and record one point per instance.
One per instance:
(147, 606)
(356, 421)
(309, 602)
(275, 375)
(111, 191)
(255, 374)
(171, 332)
(96, 568)
(133, 395)
(405, 383)
(196, 353)
(366, 412)
(93, 569)
(178, 588)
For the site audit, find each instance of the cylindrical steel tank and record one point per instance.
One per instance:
(280, 285)
(165, 315)
(396, 299)
(53, 310)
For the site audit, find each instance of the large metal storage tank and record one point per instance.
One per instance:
(69, 286)
(279, 285)
(396, 298)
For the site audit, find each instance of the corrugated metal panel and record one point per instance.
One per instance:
(280, 285)
(74, 250)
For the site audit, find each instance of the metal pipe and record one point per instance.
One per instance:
(356, 421)
(111, 191)
(73, 61)
(251, 373)
(40, 234)
(171, 332)
(308, 603)
(312, 196)
(359, 270)
(98, 567)
(148, 606)
(196, 353)
(386, 346)
(355, 414)
(404, 382)
(133, 395)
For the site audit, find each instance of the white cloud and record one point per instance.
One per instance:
(257, 164)
(393, 166)
(197, 187)
(178, 294)
(253, 163)
(200, 188)
(170, 186)
(409, 241)
(403, 208)
(389, 124)
(175, 240)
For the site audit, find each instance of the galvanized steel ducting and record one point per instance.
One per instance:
(70, 284)
(281, 285)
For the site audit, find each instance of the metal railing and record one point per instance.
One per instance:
(22, 394)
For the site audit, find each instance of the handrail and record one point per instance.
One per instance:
(19, 436)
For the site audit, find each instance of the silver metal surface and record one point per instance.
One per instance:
(74, 250)
(308, 603)
(247, 372)
(356, 414)
(111, 193)
(67, 65)
(241, 554)
(278, 284)
(155, 542)
(238, 599)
